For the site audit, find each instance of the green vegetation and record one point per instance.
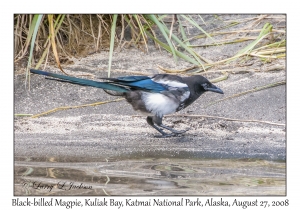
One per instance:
(69, 35)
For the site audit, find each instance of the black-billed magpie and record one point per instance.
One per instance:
(155, 96)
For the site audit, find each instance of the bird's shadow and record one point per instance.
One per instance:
(180, 138)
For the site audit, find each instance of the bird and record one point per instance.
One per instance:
(155, 95)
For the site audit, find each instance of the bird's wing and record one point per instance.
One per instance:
(176, 87)
(159, 83)
(128, 78)
(143, 83)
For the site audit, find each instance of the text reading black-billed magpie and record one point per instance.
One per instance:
(155, 96)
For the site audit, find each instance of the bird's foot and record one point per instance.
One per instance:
(173, 130)
(174, 133)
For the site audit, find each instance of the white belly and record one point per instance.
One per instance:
(159, 104)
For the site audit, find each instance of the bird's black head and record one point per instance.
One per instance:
(197, 86)
(201, 85)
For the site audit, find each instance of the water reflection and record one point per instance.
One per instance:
(148, 176)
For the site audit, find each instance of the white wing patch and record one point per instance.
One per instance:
(171, 83)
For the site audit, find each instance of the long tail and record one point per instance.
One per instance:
(79, 81)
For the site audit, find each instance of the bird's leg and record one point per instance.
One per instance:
(158, 121)
(150, 122)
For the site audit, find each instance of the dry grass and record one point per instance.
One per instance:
(75, 35)
(80, 35)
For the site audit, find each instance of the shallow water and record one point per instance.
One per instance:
(142, 175)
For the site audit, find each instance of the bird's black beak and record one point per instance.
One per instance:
(213, 88)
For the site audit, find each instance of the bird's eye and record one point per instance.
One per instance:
(205, 86)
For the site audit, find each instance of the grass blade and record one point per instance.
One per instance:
(142, 30)
(189, 19)
(175, 38)
(178, 53)
(34, 28)
(112, 42)
(266, 30)
(53, 43)
(184, 37)
(163, 30)
(249, 91)
(57, 25)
